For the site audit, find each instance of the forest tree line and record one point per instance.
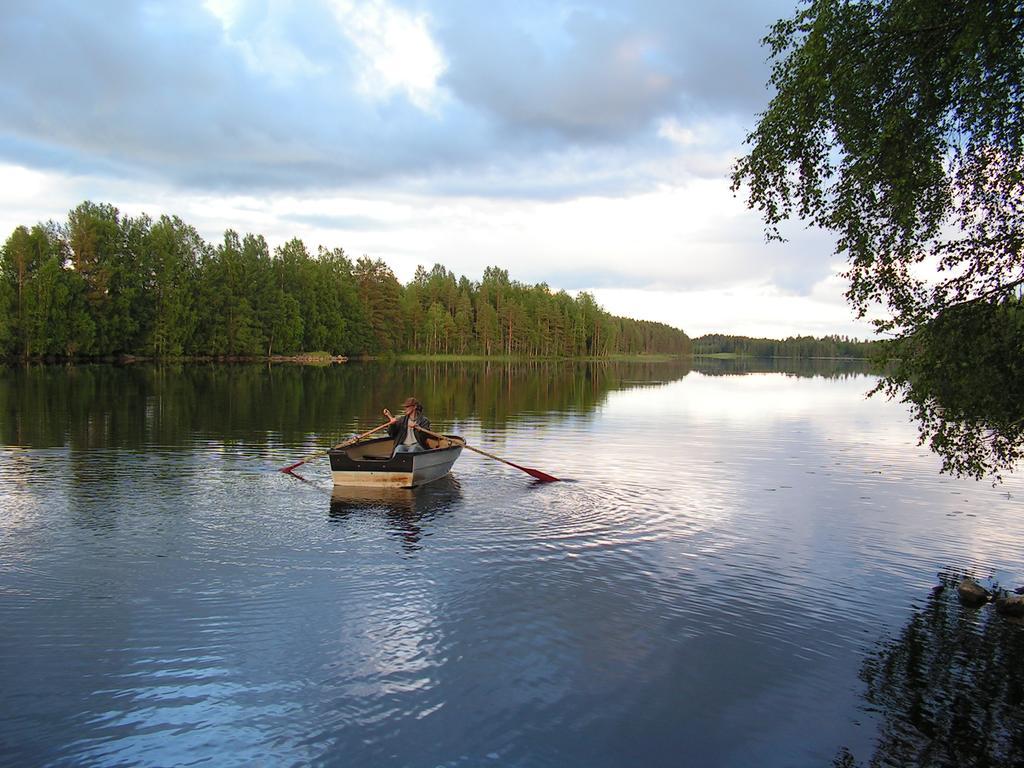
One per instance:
(794, 346)
(106, 284)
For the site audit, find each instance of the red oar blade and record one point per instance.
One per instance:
(543, 477)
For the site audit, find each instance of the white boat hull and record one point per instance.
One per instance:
(370, 464)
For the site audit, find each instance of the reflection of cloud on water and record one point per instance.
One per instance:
(831, 483)
(19, 499)
(389, 650)
(755, 396)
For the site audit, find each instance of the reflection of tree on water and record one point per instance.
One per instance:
(967, 394)
(405, 509)
(790, 366)
(102, 406)
(949, 690)
(963, 377)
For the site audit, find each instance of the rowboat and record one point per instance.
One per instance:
(371, 463)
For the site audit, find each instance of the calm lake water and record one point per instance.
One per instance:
(737, 571)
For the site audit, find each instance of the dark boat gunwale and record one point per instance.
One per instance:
(341, 461)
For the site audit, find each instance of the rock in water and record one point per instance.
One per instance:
(1011, 605)
(972, 593)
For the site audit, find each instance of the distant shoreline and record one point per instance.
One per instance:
(325, 359)
(738, 356)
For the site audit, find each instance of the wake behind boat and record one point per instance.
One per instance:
(371, 463)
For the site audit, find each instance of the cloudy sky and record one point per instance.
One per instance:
(583, 144)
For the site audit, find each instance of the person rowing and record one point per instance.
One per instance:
(405, 430)
(410, 433)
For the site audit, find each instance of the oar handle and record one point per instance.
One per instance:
(348, 442)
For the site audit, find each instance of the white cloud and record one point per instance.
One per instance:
(756, 309)
(670, 128)
(264, 46)
(226, 11)
(397, 51)
(583, 144)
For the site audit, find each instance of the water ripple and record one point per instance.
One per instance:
(186, 603)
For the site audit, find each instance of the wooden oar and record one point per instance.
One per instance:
(318, 454)
(544, 477)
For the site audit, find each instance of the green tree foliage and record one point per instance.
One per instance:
(965, 391)
(23, 253)
(899, 126)
(487, 333)
(463, 323)
(8, 330)
(42, 304)
(344, 323)
(106, 284)
(45, 302)
(173, 254)
(793, 346)
(439, 329)
(228, 323)
(381, 296)
(104, 253)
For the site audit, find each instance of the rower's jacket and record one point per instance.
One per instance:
(397, 430)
